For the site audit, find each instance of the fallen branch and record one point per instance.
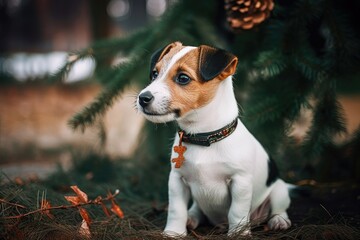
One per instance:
(98, 201)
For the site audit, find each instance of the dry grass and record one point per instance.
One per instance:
(330, 213)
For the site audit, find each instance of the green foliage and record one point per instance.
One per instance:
(293, 61)
(305, 51)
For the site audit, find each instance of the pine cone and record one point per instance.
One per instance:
(245, 14)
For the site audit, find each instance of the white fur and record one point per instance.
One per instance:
(227, 181)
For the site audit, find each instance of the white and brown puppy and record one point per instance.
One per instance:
(216, 161)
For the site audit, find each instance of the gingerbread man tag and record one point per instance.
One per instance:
(180, 149)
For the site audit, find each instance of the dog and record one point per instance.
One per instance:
(215, 160)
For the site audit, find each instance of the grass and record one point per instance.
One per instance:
(323, 215)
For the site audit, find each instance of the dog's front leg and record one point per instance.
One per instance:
(239, 213)
(179, 195)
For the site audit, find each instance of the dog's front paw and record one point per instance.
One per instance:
(175, 233)
(239, 231)
(279, 222)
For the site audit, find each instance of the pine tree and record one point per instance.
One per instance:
(291, 62)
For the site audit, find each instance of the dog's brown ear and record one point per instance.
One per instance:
(216, 63)
(160, 53)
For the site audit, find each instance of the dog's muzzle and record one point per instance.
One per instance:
(155, 108)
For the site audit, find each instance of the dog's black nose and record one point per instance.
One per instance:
(145, 98)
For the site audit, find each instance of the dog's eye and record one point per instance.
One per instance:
(183, 79)
(154, 74)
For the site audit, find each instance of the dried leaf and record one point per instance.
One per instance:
(19, 181)
(116, 209)
(105, 209)
(98, 199)
(45, 205)
(85, 230)
(85, 215)
(74, 200)
(82, 196)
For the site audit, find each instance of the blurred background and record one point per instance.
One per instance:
(36, 37)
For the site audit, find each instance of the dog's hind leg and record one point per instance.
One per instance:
(195, 216)
(279, 202)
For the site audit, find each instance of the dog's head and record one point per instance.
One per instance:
(183, 79)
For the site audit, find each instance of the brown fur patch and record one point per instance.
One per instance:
(167, 54)
(173, 47)
(197, 93)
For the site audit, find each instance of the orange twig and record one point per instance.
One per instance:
(96, 201)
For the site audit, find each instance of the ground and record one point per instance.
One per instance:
(318, 211)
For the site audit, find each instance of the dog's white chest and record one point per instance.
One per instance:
(207, 173)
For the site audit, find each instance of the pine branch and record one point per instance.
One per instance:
(304, 11)
(118, 79)
(106, 47)
(61, 74)
(270, 63)
(100, 51)
(327, 122)
(312, 67)
(341, 34)
(288, 94)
